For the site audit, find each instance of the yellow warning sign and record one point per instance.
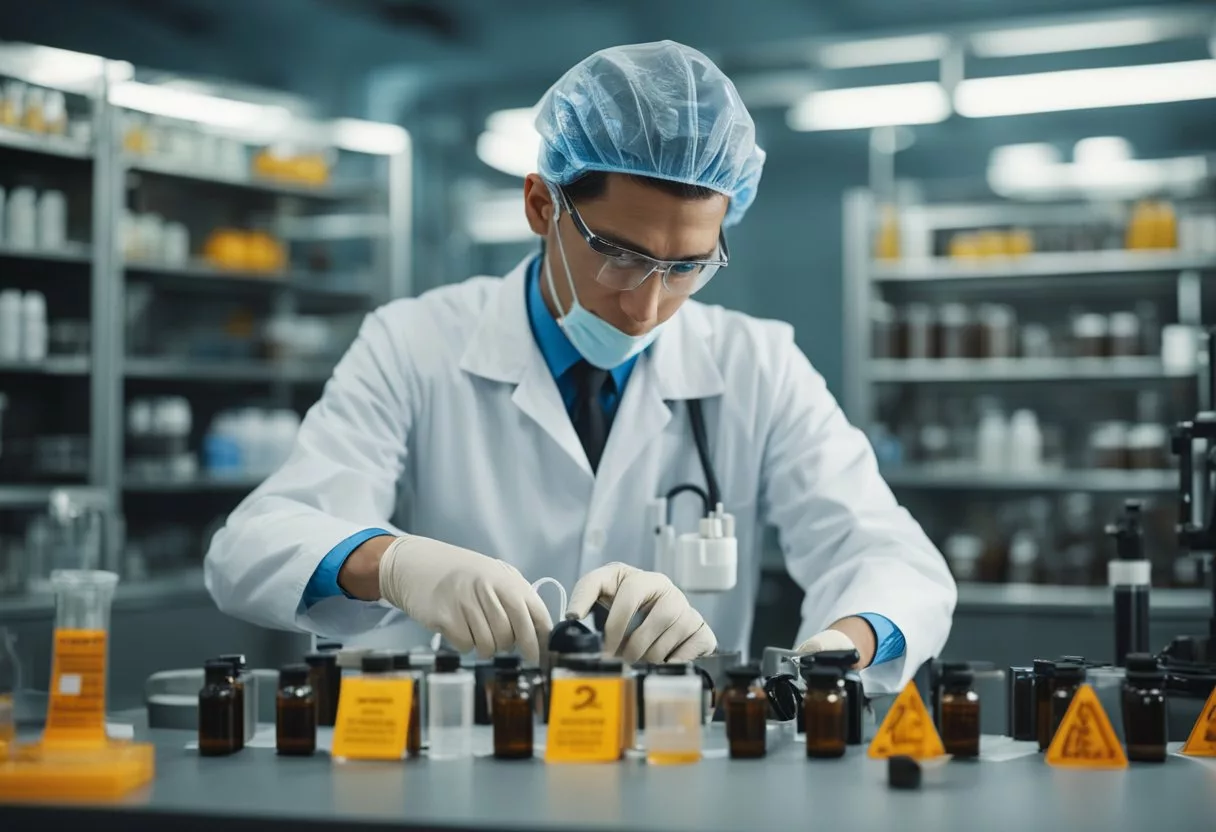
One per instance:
(1085, 738)
(1202, 741)
(908, 730)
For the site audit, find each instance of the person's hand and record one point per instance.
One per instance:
(474, 601)
(672, 630)
(851, 633)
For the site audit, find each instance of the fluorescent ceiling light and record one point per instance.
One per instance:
(498, 217)
(1128, 179)
(1102, 150)
(857, 107)
(510, 142)
(516, 120)
(910, 49)
(199, 107)
(1084, 89)
(1073, 37)
(60, 69)
(369, 136)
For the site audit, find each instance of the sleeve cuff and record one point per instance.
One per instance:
(324, 581)
(888, 638)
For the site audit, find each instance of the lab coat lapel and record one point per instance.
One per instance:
(678, 366)
(503, 349)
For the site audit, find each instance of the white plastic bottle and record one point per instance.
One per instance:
(992, 442)
(33, 327)
(1025, 443)
(1023, 558)
(449, 708)
(11, 333)
(52, 220)
(21, 219)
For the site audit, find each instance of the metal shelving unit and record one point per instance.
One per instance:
(330, 191)
(69, 253)
(200, 277)
(36, 496)
(76, 365)
(954, 478)
(976, 371)
(200, 484)
(198, 370)
(1061, 264)
(61, 146)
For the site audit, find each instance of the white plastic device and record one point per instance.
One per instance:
(706, 560)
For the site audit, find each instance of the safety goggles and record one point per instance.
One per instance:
(624, 269)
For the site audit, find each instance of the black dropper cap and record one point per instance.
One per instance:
(447, 661)
(321, 659)
(823, 678)
(742, 676)
(376, 663)
(1128, 532)
(1069, 672)
(505, 661)
(676, 669)
(844, 659)
(574, 637)
(1044, 667)
(237, 660)
(293, 674)
(217, 671)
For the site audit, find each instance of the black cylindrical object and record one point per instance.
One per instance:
(1021, 704)
(1129, 574)
(856, 703)
(1145, 720)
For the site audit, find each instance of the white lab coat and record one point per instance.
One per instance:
(444, 417)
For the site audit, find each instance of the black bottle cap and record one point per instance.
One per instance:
(293, 674)
(676, 669)
(743, 675)
(401, 660)
(321, 659)
(611, 667)
(844, 659)
(447, 661)
(1044, 667)
(903, 772)
(376, 663)
(1072, 660)
(217, 671)
(958, 677)
(328, 646)
(1069, 672)
(823, 678)
(237, 660)
(574, 637)
(1142, 663)
(505, 661)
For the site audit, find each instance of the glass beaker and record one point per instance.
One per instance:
(69, 536)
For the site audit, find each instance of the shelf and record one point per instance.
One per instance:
(202, 277)
(200, 484)
(36, 496)
(1019, 369)
(46, 145)
(69, 253)
(338, 191)
(185, 369)
(968, 479)
(1042, 265)
(68, 365)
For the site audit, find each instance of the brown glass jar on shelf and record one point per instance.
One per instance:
(295, 713)
(745, 710)
(1090, 336)
(825, 712)
(956, 333)
(920, 332)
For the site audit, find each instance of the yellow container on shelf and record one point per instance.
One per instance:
(886, 245)
(1165, 228)
(227, 248)
(1139, 227)
(991, 243)
(263, 253)
(311, 169)
(964, 245)
(1019, 242)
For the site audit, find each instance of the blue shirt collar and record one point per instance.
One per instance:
(560, 355)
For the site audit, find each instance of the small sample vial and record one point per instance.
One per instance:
(217, 711)
(295, 712)
(673, 715)
(403, 666)
(326, 679)
(1145, 720)
(745, 708)
(825, 711)
(1044, 671)
(960, 714)
(1068, 678)
(450, 707)
(511, 710)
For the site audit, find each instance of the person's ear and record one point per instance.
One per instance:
(538, 205)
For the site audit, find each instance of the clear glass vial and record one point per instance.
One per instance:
(1145, 718)
(960, 714)
(295, 712)
(673, 695)
(825, 712)
(511, 711)
(745, 708)
(217, 711)
(450, 708)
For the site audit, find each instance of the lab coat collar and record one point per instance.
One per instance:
(683, 363)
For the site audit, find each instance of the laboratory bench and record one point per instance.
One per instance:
(257, 790)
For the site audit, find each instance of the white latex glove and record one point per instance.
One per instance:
(474, 601)
(672, 630)
(827, 640)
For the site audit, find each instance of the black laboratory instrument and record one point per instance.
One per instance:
(1130, 575)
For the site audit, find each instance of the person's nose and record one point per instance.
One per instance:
(642, 303)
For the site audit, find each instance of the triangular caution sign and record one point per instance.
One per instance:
(907, 730)
(1202, 741)
(1085, 738)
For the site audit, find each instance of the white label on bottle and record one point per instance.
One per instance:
(69, 684)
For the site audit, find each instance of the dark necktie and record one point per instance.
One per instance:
(591, 423)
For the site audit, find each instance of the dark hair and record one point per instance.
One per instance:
(592, 185)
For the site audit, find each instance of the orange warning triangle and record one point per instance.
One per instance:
(1085, 738)
(907, 729)
(1202, 741)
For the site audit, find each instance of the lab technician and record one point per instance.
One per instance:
(518, 427)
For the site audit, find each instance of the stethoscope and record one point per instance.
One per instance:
(710, 495)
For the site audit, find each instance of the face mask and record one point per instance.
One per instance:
(598, 341)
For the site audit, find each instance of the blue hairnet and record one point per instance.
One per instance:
(660, 110)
